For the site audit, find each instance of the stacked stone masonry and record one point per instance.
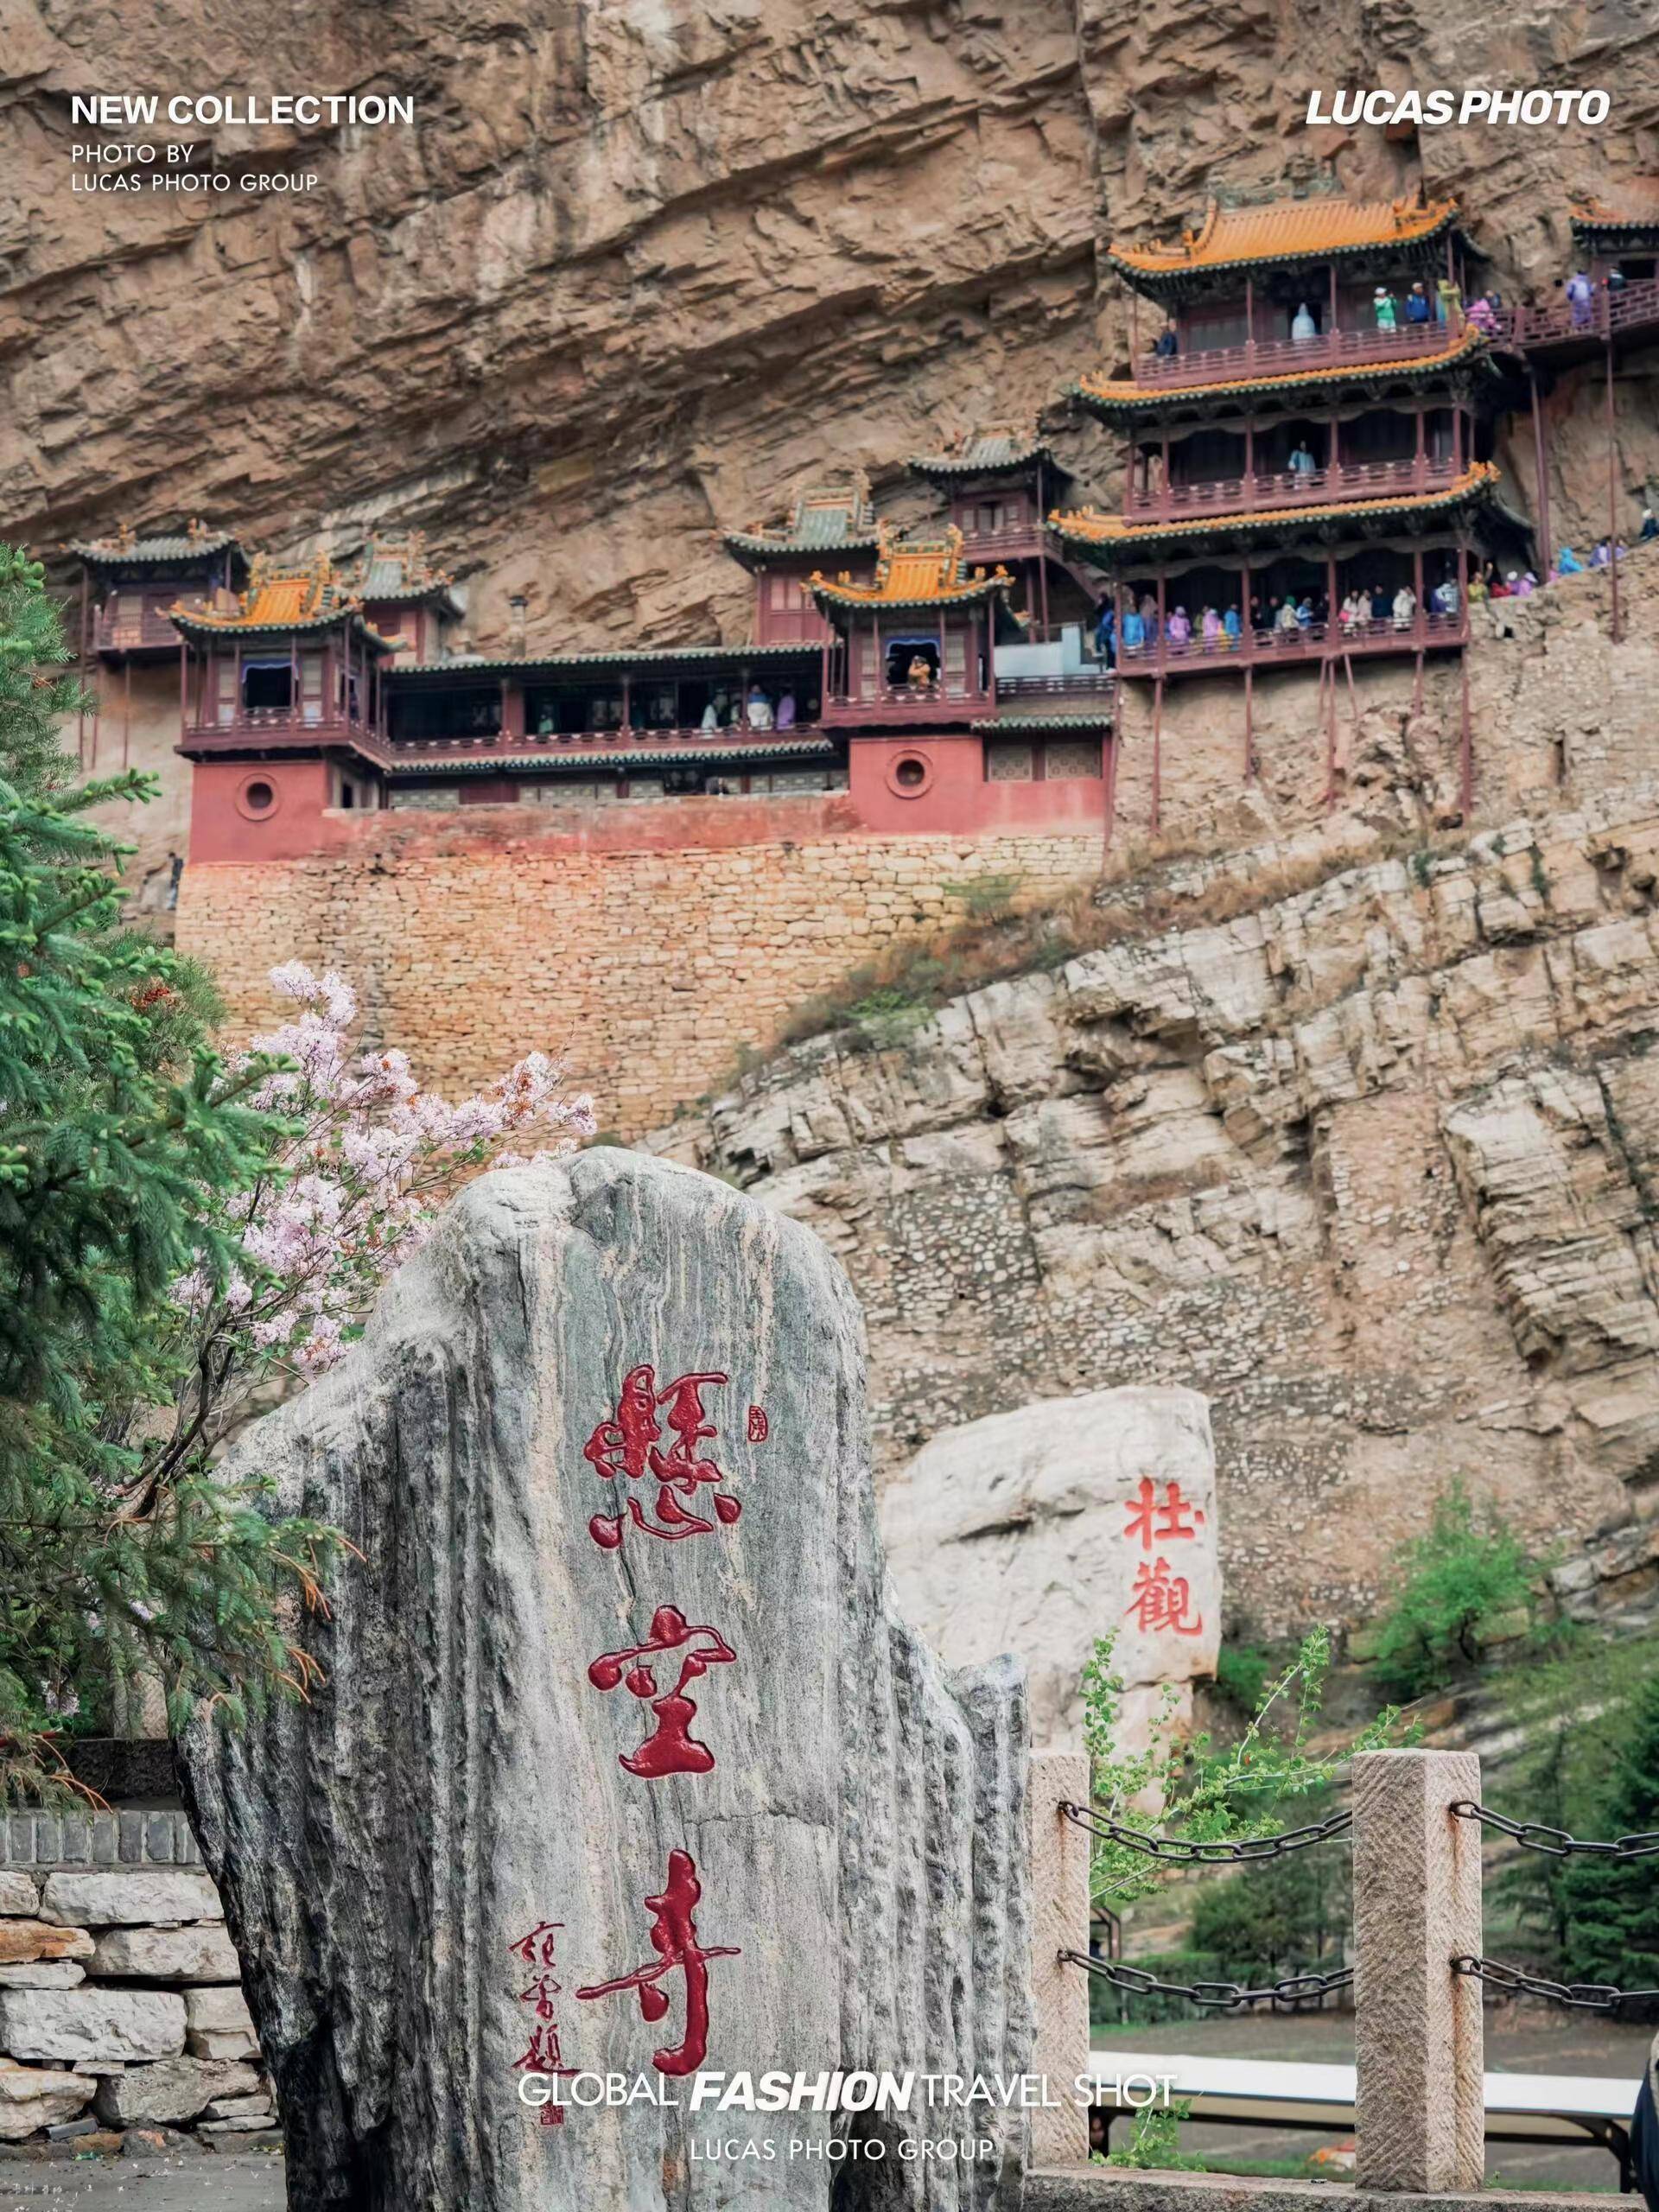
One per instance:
(121, 2004)
(646, 971)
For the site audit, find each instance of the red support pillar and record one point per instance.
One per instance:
(1249, 724)
(1158, 748)
(184, 684)
(127, 714)
(80, 712)
(1249, 310)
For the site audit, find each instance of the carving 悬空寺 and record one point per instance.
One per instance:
(671, 1748)
(674, 1938)
(627, 1447)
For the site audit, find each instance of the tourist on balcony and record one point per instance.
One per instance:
(1348, 614)
(1580, 299)
(1523, 586)
(1602, 558)
(1166, 346)
(1211, 627)
(1500, 589)
(1149, 613)
(1382, 305)
(1448, 302)
(1181, 630)
(1287, 619)
(712, 713)
(1106, 634)
(1445, 598)
(1302, 462)
(1405, 606)
(786, 711)
(1135, 630)
(1305, 615)
(1567, 562)
(1381, 607)
(1479, 590)
(760, 709)
(1232, 624)
(1481, 314)
(1418, 307)
(1303, 328)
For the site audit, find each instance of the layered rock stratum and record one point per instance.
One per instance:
(637, 269)
(1359, 1134)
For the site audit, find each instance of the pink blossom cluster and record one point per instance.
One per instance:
(356, 1186)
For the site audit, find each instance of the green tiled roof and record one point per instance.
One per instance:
(113, 552)
(712, 754)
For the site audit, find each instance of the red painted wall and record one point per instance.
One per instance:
(953, 796)
(225, 824)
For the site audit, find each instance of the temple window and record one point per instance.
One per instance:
(904, 654)
(268, 685)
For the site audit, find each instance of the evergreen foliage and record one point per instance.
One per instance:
(1610, 1906)
(120, 1138)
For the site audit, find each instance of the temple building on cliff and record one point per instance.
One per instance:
(1284, 451)
(1307, 424)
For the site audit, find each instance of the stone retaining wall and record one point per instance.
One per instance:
(121, 2004)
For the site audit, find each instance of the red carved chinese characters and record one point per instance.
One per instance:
(671, 1748)
(759, 1428)
(1162, 1601)
(1162, 1520)
(627, 1447)
(544, 2055)
(674, 1938)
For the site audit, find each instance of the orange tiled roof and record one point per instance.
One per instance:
(1091, 529)
(1285, 229)
(1123, 391)
(914, 572)
(280, 600)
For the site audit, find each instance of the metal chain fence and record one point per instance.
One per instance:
(1291, 1994)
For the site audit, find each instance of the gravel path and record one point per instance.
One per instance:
(201, 2181)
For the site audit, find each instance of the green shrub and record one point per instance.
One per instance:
(1468, 1574)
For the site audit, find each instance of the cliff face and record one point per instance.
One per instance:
(1356, 1131)
(640, 268)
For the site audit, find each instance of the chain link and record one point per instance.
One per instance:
(1175, 1851)
(1290, 1994)
(1584, 1996)
(1534, 1835)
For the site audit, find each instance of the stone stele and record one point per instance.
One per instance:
(614, 1698)
(1037, 1531)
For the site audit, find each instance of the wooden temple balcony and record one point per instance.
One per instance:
(125, 629)
(1236, 495)
(1632, 311)
(1259, 649)
(1077, 684)
(904, 706)
(1025, 541)
(601, 746)
(273, 729)
(1279, 357)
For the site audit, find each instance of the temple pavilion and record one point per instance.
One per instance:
(1307, 425)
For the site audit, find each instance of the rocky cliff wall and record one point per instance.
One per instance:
(1373, 1164)
(638, 269)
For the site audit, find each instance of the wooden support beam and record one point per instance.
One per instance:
(1157, 754)
(1612, 486)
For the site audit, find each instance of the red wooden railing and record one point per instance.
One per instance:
(898, 703)
(114, 633)
(1295, 487)
(1275, 648)
(1269, 357)
(1608, 314)
(1080, 684)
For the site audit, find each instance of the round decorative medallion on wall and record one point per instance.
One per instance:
(910, 775)
(257, 798)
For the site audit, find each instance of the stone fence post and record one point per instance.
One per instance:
(1060, 1921)
(1417, 2025)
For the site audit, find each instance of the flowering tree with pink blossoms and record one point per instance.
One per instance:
(350, 1190)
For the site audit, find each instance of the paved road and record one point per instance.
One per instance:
(201, 2181)
(1530, 2042)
